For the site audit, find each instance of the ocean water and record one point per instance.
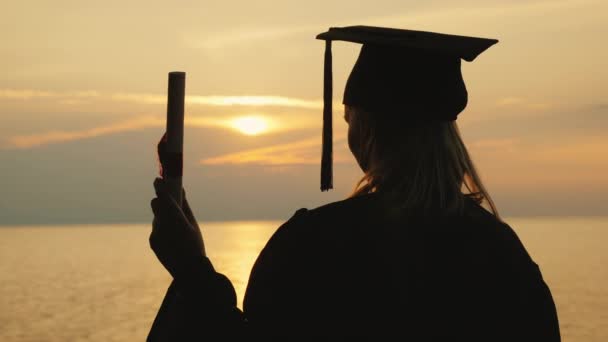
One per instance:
(102, 282)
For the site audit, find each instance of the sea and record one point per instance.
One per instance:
(103, 283)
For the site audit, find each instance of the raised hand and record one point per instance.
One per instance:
(176, 238)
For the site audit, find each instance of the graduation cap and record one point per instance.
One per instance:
(414, 70)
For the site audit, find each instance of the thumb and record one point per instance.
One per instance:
(161, 152)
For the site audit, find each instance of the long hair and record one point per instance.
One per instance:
(419, 167)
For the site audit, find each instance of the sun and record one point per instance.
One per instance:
(250, 125)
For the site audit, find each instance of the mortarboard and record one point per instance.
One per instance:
(420, 70)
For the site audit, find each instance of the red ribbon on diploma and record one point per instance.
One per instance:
(171, 163)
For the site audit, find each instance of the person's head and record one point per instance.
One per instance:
(420, 165)
(402, 98)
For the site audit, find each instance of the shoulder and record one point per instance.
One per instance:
(502, 239)
(347, 209)
(310, 222)
(296, 253)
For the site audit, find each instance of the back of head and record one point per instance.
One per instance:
(419, 166)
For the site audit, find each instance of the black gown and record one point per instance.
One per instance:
(344, 270)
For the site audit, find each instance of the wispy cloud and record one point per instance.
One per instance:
(226, 39)
(510, 101)
(203, 100)
(54, 137)
(288, 113)
(61, 136)
(258, 101)
(508, 144)
(432, 15)
(588, 152)
(519, 102)
(299, 152)
(513, 164)
(28, 94)
(226, 101)
(428, 15)
(302, 152)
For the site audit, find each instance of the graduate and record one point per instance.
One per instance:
(418, 252)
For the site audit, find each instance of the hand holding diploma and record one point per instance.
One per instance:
(175, 237)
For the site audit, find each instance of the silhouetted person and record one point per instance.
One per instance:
(412, 255)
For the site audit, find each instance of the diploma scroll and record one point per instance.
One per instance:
(173, 170)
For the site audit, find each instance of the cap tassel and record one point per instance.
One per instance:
(326, 157)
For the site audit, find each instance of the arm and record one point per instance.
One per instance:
(204, 301)
(280, 291)
(200, 302)
(536, 311)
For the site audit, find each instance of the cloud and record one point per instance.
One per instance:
(428, 15)
(203, 100)
(302, 152)
(432, 15)
(54, 137)
(508, 144)
(226, 101)
(227, 39)
(258, 101)
(28, 94)
(59, 136)
(294, 153)
(587, 153)
(509, 101)
(513, 165)
(25, 141)
(281, 113)
(522, 103)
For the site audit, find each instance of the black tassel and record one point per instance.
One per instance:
(326, 157)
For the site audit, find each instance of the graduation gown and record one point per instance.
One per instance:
(344, 270)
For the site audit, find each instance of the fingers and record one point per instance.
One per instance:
(168, 212)
(164, 206)
(161, 192)
(161, 204)
(153, 239)
(161, 207)
(155, 206)
(187, 210)
(161, 153)
(159, 187)
(162, 145)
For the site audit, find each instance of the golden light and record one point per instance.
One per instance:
(250, 125)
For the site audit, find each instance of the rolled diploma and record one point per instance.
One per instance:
(175, 133)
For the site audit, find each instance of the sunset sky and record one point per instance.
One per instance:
(83, 91)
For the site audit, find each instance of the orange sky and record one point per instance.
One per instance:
(82, 91)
